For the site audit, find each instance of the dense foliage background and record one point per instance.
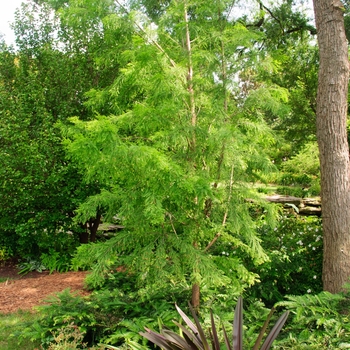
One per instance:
(172, 120)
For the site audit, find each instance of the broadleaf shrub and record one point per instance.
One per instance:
(294, 248)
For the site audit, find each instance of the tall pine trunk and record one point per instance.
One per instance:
(332, 100)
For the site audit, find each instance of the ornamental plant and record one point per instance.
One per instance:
(195, 338)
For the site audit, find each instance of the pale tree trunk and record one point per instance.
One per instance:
(332, 140)
(195, 300)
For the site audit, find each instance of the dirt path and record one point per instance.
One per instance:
(24, 292)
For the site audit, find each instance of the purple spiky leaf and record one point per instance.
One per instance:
(238, 326)
(191, 343)
(227, 342)
(275, 331)
(176, 339)
(214, 333)
(157, 339)
(263, 330)
(187, 334)
(189, 323)
(200, 329)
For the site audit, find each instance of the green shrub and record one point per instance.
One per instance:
(305, 162)
(56, 261)
(292, 191)
(319, 322)
(5, 254)
(288, 179)
(300, 175)
(29, 242)
(294, 248)
(110, 316)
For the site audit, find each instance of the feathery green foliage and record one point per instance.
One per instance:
(177, 157)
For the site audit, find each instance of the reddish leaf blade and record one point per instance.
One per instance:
(275, 331)
(175, 339)
(238, 326)
(200, 330)
(263, 330)
(227, 342)
(157, 339)
(190, 336)
(187, 321)
(216, 344)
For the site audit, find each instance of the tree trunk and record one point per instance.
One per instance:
(332, 141)
(195, 297)
(84, 234)
(93, 226)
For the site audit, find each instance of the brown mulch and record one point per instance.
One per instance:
(24, 292)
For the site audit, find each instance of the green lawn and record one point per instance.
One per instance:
(10, 325)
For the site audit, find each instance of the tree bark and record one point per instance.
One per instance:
(195, 301)
(93, 226)
(331, 116)
(84, 234)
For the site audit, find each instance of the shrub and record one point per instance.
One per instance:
(294, 248)
(5, 254)
(305, 163)
(292, 191)
(300, 175)
(319, 322)
(109, 316)
(56, 261)
(69, 338)
(30, 265)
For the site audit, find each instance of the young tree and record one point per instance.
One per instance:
(332, 102)
(179, 156)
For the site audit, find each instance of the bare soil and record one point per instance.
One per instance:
(24, 292)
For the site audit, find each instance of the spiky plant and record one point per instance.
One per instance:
(194, 337)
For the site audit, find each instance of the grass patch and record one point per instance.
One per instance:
(10, 327)
(4, 279)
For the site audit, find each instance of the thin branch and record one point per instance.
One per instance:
(262, 6)
(156, 44)
(172, 224)
(225, 215)
(311, 29)
(260, 21)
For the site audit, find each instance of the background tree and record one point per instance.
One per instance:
(332, 101)
(42, 84)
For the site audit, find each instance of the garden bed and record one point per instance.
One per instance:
(24, 292)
